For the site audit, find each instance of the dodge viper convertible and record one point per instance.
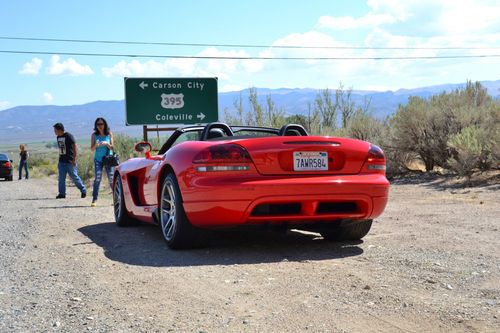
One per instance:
(207, 177)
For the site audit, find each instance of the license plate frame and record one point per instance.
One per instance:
(310, 161)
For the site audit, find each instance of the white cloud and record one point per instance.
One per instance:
(401, 10)
(221, 68)
(4, 105)
(32, 67)
(151, 68)
(348, 22)
(69, 66)
(410, 24)
(450, 17)
(47, 97)
(231, 87)
(310, 38)
(469, 17)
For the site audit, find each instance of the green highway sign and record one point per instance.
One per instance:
(155, 101)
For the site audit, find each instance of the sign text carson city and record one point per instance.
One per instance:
(178, 85)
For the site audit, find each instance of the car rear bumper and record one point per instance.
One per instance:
(233, 201)
(5, 172)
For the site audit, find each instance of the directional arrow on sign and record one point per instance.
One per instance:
(143, 85)
(201, 116)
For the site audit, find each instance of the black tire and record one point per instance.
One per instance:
(175, 227)
(122, 218)
(351, 231)
(10, 178)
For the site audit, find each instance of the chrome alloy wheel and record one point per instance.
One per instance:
(117, 198)
(168, 216)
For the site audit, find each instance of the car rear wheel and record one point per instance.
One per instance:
(10, 178)
(175, 227)
(122, 218)
(347, 232)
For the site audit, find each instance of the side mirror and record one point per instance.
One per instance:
(11, 161)
(143, 147)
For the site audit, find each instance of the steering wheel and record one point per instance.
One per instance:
(222, 126)
(292, 128)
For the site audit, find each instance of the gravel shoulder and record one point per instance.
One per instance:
(430, 263)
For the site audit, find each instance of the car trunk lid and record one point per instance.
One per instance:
(311, 155)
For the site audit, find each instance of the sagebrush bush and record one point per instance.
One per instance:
(86, 165)
(429, 127)
(471, 151)
(123, 145)
(43, 164)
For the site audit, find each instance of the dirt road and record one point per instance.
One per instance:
(430, 263)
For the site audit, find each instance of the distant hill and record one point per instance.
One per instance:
(34, 123)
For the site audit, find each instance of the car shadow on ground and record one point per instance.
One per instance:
(144, 246)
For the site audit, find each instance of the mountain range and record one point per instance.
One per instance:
(34, 123)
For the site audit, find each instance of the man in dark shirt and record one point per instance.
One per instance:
(68, 153)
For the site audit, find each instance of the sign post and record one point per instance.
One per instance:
(172, 101)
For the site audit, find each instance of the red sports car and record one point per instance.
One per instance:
(205, 177)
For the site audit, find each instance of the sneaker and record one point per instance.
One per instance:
(93, 204)
(84, 194)
(60, 196)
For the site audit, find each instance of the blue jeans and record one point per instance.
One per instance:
(98, 167)
(68, 168)
(23, 164)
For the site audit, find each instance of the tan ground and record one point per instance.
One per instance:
(430, 264)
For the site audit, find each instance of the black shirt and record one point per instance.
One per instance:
(66, 144)
(24, 155)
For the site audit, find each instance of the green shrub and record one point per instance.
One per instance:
(43, 165)
(86, 165)
(123, 145)
(471, 151)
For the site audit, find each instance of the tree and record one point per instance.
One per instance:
(411, 132)
(275, 116)
(256, 114)
(327, 108)
(344, 102)
(431, 128)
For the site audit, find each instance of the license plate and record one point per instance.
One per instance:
(310, 161)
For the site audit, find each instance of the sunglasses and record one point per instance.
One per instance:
(100, 124)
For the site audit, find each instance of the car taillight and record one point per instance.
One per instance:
(375, 160)
(8, 164)
(228, 157)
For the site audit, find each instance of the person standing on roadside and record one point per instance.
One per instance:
(68, 153)
(101, 142)
(23, 162)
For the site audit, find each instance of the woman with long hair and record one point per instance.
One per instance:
(101, 142)
(23, 162)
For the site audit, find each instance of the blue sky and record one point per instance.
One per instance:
(31, 79)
